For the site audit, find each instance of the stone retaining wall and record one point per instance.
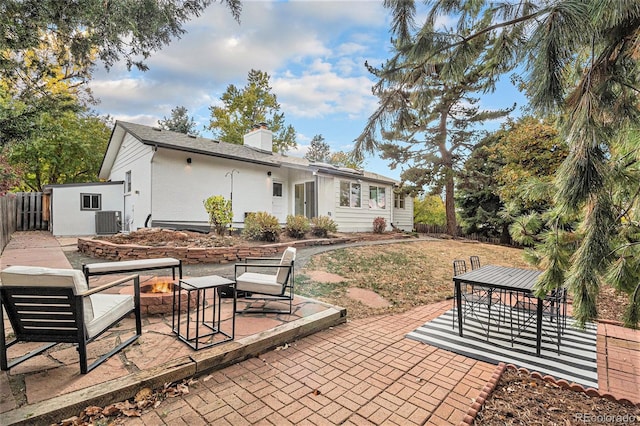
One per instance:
(189, 255)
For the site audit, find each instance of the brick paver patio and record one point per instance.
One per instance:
(359, 373)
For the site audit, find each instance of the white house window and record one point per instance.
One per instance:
(377, 197)
(350, 194)
(127, 182)
(277, 189)
(398, 201)
(90, 201)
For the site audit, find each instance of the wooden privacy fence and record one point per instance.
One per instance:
(423, 228)
(22, 211)
(8, 205)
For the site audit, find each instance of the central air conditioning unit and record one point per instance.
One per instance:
(108, 222)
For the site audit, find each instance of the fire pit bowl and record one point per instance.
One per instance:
(156, 296)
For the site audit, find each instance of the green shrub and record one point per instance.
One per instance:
(261, 226)
(220, 213)
(297, 226)
(379, 225)
(322, 225)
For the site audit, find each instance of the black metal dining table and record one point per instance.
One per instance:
(494, 277)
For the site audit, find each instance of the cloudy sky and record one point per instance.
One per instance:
(314, 52)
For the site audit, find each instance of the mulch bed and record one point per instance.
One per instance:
(520, 399)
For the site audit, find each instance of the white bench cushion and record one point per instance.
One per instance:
(107, 308)
(37, 276)
(258, 283)
(132, 265)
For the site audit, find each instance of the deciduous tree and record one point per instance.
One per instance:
(43, 39)
(345, 159)
(429, 209)
(84, 31)
(8, 175)
(64, 149)
(244, 107)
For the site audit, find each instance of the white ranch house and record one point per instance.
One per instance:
(165, 176)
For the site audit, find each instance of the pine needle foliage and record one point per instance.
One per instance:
(581, 62)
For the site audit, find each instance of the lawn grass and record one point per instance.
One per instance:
(406, 274)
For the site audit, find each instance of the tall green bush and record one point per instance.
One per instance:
(220, 213)
(261, 226)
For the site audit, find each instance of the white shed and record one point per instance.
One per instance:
(85, 208)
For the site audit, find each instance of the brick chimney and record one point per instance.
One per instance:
(260, 137)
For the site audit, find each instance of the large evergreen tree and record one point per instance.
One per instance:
(581, 64)
(429, 119)
(477, 195)
(179, 121)
(319, 150)
(243, 107)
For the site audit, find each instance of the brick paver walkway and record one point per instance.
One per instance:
(363, 372)
(619, 361)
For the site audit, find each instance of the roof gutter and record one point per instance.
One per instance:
(210, 154)
(332, 173)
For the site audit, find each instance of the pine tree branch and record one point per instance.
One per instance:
(496, 26)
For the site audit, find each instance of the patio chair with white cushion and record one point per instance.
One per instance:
(56, 306)
(264, 286)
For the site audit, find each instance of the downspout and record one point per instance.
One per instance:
(153, 156)
(317, 194)
(393, 199)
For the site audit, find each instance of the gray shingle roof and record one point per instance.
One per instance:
(182, 142)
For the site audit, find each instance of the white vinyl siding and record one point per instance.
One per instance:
(403, 216)
(351, 219)
(136, 159)
(67, 219)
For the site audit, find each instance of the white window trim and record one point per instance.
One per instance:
(377, 206)
(127, 182)
(90, 195)
(350, 206)
(281, 189)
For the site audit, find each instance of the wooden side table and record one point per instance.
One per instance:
(206, 329)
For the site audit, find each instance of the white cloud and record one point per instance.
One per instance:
(314, 52)
(322, 94)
